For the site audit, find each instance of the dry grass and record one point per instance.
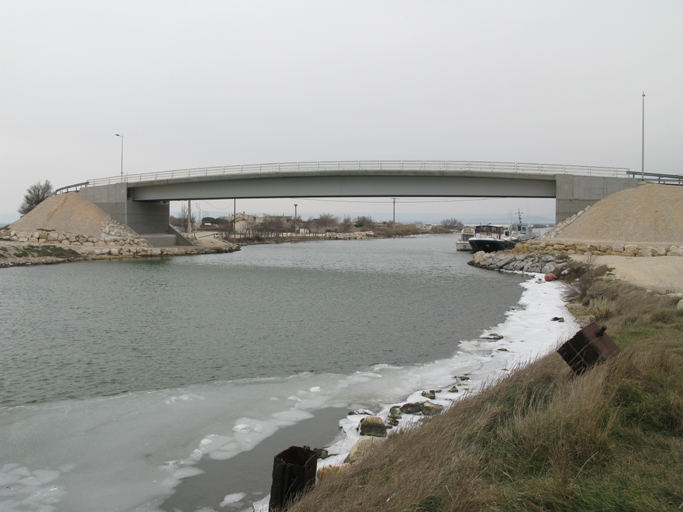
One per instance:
(543, 439)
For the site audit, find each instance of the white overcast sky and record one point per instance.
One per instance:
(207, 82)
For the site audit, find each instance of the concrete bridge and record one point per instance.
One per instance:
(141, 200)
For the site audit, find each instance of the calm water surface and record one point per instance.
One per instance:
(92, 329)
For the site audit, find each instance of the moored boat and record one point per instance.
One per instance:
(463, 244)
(491, 238)
(522, 230)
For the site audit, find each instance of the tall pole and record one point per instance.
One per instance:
(642, 161)
(394, 209)
(295, 205)
(189, 216)
(234, 217)
(121, 135)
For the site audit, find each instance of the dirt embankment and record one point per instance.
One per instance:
(66, 227)
(63, 213)
(637, 232)
(645, 215)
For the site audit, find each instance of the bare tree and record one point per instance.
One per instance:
(309, 224)
(273, 225)
(346, 224)
(35, 194)
(326, 220)
(364, 222)
(183, 217)
(452, 224)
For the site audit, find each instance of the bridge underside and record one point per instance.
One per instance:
(345, 185)
(144, 205)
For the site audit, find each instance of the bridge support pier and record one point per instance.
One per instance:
(574, 193)
(142, 217)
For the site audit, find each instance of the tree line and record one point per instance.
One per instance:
(276, 225)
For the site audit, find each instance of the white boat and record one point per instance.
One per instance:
(521, 230)
(463, 243)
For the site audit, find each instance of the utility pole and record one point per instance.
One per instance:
(295, 205)
(234, 217)
(642, 161)
(189, 216)
(394, 209)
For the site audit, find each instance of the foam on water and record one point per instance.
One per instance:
(128, 452)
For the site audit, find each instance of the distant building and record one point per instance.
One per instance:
(286, 219)
(243, 221)
(246, 223)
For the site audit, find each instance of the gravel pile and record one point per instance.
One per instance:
(647, 214)
(65, 213)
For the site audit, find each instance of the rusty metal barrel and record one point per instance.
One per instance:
(588, 347)
(293, 473)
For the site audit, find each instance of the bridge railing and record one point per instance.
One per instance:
(655, 177)
(366, 165)
(68, 188)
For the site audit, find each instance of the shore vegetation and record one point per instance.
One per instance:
(544, 439)
(35, 194)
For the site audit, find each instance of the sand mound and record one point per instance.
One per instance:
(65, 213)
(647, 214)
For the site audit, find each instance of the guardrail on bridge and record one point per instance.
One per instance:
(664, 179)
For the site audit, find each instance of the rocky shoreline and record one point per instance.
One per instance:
(508, 260)
(570, 247)
(46, 247)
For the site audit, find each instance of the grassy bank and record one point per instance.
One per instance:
(543, 439)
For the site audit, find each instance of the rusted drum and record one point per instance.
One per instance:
(293, 473)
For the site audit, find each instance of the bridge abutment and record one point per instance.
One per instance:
(574, 193)
(142, 217)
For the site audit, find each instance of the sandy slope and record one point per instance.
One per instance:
(647, 214)
(66, 213)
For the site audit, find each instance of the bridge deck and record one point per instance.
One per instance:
(366, 165)
(346, 183)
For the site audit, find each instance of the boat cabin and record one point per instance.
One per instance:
(491, 231)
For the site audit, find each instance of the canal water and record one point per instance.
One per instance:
(117, 377)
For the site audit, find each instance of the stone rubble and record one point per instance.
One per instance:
(114, 234)
(359, 235)
(543, 245)
(506, 260)
(116, 241)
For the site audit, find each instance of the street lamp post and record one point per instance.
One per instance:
(642, 158)
(121, 135)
